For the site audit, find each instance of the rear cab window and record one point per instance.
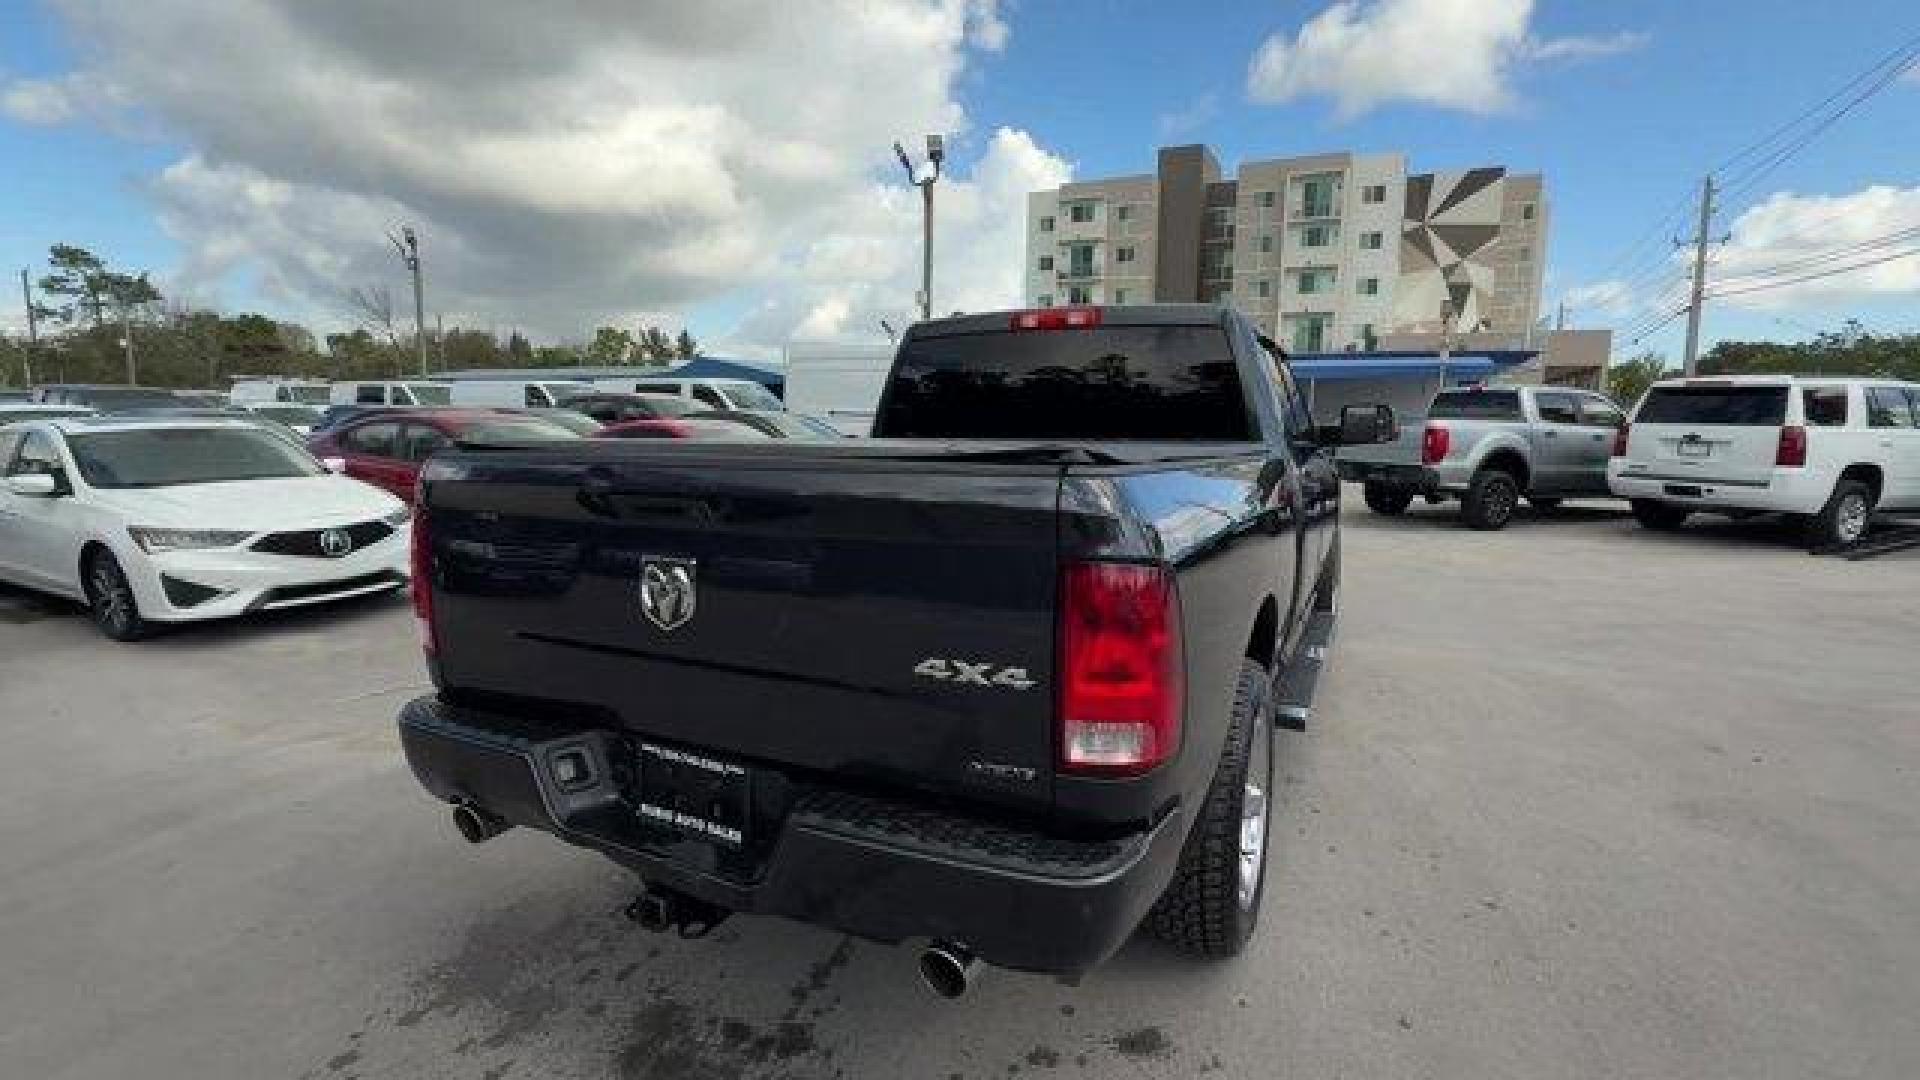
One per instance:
(1720, 405)
(1105, 383)
(1824, 406)
(1600, 413)
(1557, 408)
(1476, 405)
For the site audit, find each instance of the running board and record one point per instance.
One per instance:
(1293, 693)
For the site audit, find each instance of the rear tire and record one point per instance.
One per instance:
(115, 610)
(1843, 521)
(1382, 499)
(1658, 516)
(1212, 904)
(1490, 500)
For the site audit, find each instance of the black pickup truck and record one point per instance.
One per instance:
(1002, 680)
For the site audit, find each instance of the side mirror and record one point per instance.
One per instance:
(334, 465)
(34, 485)
(1365, 425)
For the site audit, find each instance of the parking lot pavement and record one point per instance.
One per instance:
(1578, 801)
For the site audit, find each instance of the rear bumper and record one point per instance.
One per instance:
(877, 868)
(1418, 479)
(1786, 491)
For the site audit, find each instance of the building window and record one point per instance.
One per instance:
(1266, 243)
(1221, 294)
(1119, 296)
(1316, 198)
(1369, 286)
(1264, 288)
(1122, 212)
(1079, 294)
(1123, 254)
(1523, 253)
(1080, 260)
(1526, 212)
(1046, 262)
(1373, 193)
(1370, 241)
(1266, 198)
(1220, 223)
(1315, 281)
(1046, 299)
(1046, 224)
(1315, 236)
(1080, 212)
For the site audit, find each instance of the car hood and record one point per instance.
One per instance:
(291, 502)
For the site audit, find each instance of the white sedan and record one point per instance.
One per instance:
(175, 520)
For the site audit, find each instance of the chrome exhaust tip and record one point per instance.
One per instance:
(476, 824)
(948, 968)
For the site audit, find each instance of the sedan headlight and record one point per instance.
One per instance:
(153, 541)
(399, 518)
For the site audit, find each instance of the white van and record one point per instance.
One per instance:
(280, 391)
(713, 393)
(517, 393)
(1829, 452)
(840, 380)
(392, 392)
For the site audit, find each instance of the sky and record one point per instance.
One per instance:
(727, 165)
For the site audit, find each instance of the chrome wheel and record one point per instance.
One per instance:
(112, 599)
(1254, 805)
(1850, 520)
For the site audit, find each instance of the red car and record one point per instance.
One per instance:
(679, 427)
(386, 449)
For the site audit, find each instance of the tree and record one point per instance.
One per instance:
(656, 345)
(610, 345)
(684, 347)
(1848, 351)
(519, 348)
(1629, 379)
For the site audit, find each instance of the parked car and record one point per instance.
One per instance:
(151, 521)
(613, 408)
(1488, 446)
(1009, 684)
(299, 418)
(775, 425)
(706, 393)
(202, 399)
(680, 427)
(280, 391)
(10, 396)
(386, 449)
(578, 423)
(392, 392)
(517, 393)
(1827, 452)
(104, 398)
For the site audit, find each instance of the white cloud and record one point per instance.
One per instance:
(1453, 54)
(1792, 236)
(564, 165)
(1188, 118)
(1612, 297)
(59, 100)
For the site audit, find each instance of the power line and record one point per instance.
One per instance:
(1816, 107)
(1641, 331)
(1784, 282)
(1831, 255)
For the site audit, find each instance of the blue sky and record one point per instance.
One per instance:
(1622, 135)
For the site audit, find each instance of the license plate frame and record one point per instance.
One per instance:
(694, 794)
(1684, 491)
(1694, 449)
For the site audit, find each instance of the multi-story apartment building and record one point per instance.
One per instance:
(1326, 252)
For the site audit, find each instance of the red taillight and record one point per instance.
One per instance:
(1434, 444)
(1058, 318)
(1121, 685)
(421, 569)
(1792, 451)
(1620, 439)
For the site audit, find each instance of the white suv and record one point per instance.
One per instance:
(1828, 451)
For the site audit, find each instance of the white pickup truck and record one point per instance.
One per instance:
(1830, 452)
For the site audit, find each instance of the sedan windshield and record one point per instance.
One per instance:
(164, 457)
(750, 395)
(509, 431)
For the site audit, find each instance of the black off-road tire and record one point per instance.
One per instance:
(1201, 913)
(110, 599)
(1491, 498)
(1836, 527)
(1388, 500)
(1659, 516)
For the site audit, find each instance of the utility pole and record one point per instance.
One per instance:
(1446, 340)
(440, 341)
(33, 330)
(936, 155)
(126, 343)
(1699, 276)
(408, 245)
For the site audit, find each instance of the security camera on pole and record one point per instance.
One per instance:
(408, 245)
(936, 154)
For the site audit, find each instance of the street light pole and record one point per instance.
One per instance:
(126, 343)
(936, 156)
(33, 330)
(1446, 339)
(408, 245)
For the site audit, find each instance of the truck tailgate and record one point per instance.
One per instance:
(821, 588)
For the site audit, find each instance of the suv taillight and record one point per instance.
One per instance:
(1122, 686)
(1792, 451)
(421, 571)
(1434, 444)
(1620, 439)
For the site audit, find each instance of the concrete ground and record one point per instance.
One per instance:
(1579, 801)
